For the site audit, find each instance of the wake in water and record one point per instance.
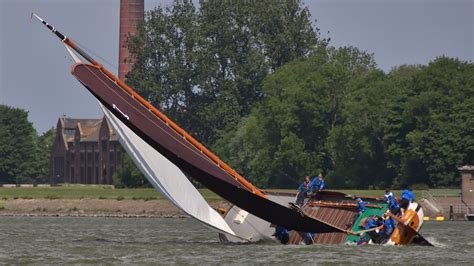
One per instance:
(436, 243)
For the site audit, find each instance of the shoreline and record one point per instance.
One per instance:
(103, 208)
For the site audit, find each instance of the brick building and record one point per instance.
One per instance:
(85, 151)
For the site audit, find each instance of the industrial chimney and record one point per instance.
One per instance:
(132, 13)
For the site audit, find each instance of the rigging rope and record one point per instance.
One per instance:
(94, 54)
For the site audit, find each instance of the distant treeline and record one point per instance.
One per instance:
(257, 83)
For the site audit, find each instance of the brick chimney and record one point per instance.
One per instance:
(132, 13)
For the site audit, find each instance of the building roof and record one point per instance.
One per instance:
(89, 129)
(72, 122)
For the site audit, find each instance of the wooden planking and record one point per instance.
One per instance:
(333, 216)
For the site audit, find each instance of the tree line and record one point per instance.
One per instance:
(258, 84)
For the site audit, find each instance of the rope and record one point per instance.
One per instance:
(96, 55)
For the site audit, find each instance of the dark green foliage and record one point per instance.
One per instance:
(129, 176)
(17, 146)
(44, 145)
(364, 128)
(285, 136)
(255, 81)
(204, 68)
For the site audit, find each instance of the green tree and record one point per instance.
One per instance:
(284, 138)
(129, 176)
(17, 146)
(435, 120)
(44, 145)
(205, 68)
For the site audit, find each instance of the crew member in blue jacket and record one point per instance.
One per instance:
(390, 200)
(407, 198)
(282, 234)
(303, 190)
(317, 184)
(388, 225)
(374, 221)
(360, 208)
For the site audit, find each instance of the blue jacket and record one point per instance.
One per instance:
(361, 207)
(390, 199)
(371, 224)
(389, 226)
(305, 187)
(407, 194)
(317, 184)
(281, 231)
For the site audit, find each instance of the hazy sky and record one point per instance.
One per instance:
(34, 67)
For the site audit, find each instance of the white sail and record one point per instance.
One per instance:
(164, 175)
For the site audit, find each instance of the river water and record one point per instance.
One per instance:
(58, 240)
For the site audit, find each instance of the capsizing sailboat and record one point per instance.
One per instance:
(167, 155)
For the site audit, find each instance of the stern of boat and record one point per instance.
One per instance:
(408, 226)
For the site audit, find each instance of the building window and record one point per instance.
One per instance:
(89, 175)
(82, 174)
(69, 131)
(111, 157)
(96, 156)
(82, 158)
(104, 145)
(89, 157)
(72, 172)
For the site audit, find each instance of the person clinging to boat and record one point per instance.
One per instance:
(360, 208)
(374, 221)
(407, 198)
(391, 201)
(303, 190)
(388, 224)
(317, 184)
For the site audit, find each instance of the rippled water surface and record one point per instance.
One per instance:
(125, 240)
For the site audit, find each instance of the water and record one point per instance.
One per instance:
(57, 240)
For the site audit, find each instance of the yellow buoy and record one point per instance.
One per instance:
(440, 218)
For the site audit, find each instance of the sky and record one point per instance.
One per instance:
(35, 69)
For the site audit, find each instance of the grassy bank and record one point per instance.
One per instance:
(88, 192)
(108, 192)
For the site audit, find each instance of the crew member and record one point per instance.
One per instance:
(373, 222)
(391, 201)
(360, 208)
(317, 184)
(407, 198)
(303, 190)
(388, 225)
(282, 234)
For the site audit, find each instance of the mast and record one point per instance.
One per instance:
(155, 111)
